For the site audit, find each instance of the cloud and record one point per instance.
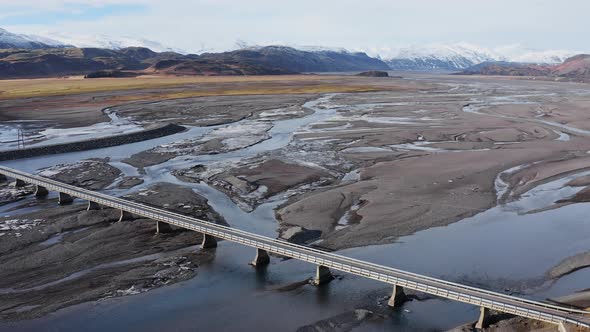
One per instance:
(52, 13)
(218, 24)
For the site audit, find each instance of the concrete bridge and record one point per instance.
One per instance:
(567, 319)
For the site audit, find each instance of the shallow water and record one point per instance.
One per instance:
(495, 246)
(115, 153)
(230, 295)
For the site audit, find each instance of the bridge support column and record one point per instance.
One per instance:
(162, 227)
(322, 276)
(483, 321)
(208, 242)
(41, 191)
(64, 198)
(92, 206)
(261, 258)
(18, 183)
(397, 296)
(125, 216)
(3, 178)
(565, 327)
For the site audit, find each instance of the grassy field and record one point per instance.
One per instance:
(182, 87)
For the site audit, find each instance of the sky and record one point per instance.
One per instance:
(378, 24)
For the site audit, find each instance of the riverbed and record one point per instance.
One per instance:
(502, 248)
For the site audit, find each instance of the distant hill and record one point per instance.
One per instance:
(576, 68)
(295, 60)
(212, 67)
(16, 63)
(99, 62)
(508, 69)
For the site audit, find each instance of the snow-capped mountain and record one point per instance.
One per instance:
(438, 57)
(110, 42)
(244, 45)
(60, 40)
(517, 53)
(429, 57)
(15, 40)
(318, 49)
(460, 56)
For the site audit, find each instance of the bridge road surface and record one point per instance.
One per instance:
(555, 314)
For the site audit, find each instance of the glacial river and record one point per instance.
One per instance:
(501, 248)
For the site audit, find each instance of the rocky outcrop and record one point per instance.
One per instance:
(373, 73)
(299, 235)
(110, 74)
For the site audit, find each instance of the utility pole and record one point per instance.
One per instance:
(21, 138)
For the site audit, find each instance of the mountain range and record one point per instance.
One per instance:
(269, 60)
(109, 42)
(455, 57)
(70, 54)
(300, 60)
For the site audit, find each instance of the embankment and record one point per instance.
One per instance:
(97, 143)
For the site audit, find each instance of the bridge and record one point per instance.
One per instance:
(567, 319)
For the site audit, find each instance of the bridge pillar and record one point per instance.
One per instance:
(92, 206)
(18, 183)
(3, 178)
(162, 227)
(566, 327)
(483, 321)
(261, 258)
(125, 216)
(208, 242)
(41, 191)
(397, 296)
(322, 276)
(64, 198)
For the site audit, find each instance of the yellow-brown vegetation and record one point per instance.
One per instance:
(182, 87)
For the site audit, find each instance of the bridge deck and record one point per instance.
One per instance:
(450, 290)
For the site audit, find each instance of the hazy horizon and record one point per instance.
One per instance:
(377, 27)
